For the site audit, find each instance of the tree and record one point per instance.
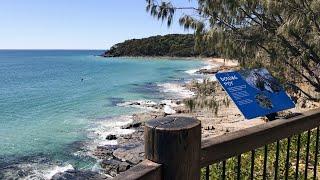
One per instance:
(281, 34)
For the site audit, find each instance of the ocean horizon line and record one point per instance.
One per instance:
(52, 49)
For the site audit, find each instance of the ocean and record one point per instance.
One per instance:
(51, 102)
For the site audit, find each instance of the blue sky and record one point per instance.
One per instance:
(76, 24)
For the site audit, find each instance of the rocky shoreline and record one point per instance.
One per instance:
(129, 149)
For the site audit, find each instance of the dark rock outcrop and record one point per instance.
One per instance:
(111, 137)
(103, 152)
(114, 166)
(78, 175)
(216, 70)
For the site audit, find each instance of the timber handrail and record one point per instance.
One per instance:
(162, 164)
(223, 147)
(143, 171)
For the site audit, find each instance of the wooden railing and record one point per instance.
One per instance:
(174, 151)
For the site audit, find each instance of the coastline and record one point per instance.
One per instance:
(120, 149)
(229, 62)
(90, 108)
(123, 146)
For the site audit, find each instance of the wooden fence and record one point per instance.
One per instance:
(174, 151)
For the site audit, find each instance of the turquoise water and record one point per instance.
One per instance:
(49, 99)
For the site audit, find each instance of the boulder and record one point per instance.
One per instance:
(140, 118)
(103, 152)
(111, 137)
(130, 141)
(134, 155)
(131, 125)
(78, 175)
(111, 166)
(216, 70)
(123, 166)
(181, 109)
(208, 71)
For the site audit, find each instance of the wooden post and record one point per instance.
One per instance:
(175, 143)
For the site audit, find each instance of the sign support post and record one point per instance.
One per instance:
(272, 116)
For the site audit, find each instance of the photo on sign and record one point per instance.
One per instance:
(261, 80)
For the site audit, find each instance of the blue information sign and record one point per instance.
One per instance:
(255, 92)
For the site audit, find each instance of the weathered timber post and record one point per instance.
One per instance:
(175, 143)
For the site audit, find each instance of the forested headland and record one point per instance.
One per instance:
(174, 45)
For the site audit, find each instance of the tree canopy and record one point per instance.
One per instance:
(280, 34)
(179, 45)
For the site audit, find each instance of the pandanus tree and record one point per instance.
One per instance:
(283, 35)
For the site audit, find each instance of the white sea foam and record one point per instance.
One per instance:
(199, 80)
(200, 77)
(57, 169)
(176, 89)
(169, 103)
(207, 66)
(210, 66)
(108, 127)
(34, 170)
(191, 71)
(141, 104)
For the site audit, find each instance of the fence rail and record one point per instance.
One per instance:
(220, 148)
(173, 150)
(146, 170)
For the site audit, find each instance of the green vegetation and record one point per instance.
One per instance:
(206, 97)
(231, 164)
(178, 45)
(283, 36)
